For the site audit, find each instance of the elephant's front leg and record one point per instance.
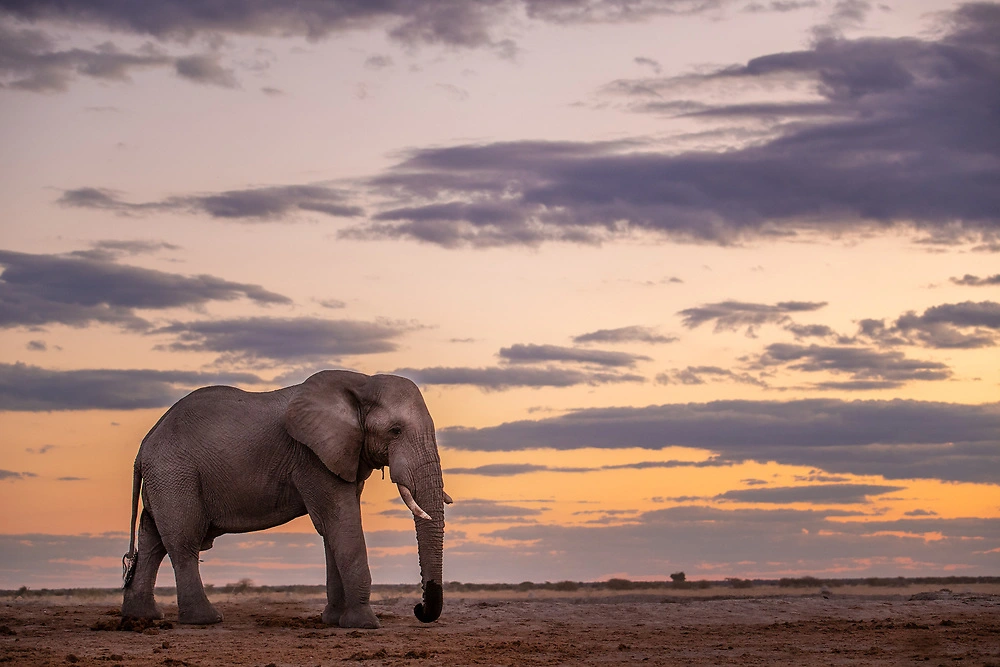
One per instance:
(335, 606)
(349, 580)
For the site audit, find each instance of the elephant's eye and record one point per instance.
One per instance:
(395, 430)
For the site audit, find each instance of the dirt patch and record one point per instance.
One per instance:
(290, 622)
(962, 627)
(130, 625)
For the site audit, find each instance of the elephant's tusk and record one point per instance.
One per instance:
(447, 498)
(407, 497)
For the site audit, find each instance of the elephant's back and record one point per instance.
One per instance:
(218, 418)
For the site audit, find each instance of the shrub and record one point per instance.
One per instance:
(619, 584)
(565, 586)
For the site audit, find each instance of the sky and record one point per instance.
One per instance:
(708, 286)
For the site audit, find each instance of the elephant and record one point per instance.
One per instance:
(223, 460)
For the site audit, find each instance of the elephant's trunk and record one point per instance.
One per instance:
(422, 489)
(430, 548)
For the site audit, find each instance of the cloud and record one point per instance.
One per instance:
(846, 14)
(533, 354)
(332, 304)
(801, 331)
(646, 465)
(378, 61)
(817, 494)
(734, 315)
(30, 60)
(263, 204)
(694, 375)
(25, 388)
(707, 542)
(647, 62)
(36, 290)
(631, 334)
(501, 378)
(867, 368)
(456, 93)
(899, 439)
(976, 281)
(285, 339)
(44, 449)
(900, 134)
(452, 23)
(205, 68)
(816, 476)
(477, 510)
(109, 249)
(780, 6)
(963, 325)
(511, 469)
(703, 542)
(10, 475)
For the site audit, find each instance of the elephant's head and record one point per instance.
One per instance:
(357, 422)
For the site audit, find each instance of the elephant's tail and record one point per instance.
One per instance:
(129, 560)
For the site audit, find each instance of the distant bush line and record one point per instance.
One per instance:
(246, 586)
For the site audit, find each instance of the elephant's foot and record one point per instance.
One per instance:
(141, 607)
(359, 617)
(206, 615)
(331, 614)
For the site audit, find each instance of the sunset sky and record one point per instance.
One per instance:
(697, 285)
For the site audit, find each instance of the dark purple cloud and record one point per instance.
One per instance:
(25, 388)
(897, 439)
(31, 60)
(867, 368)
(450, 22)
(976, 281)
(36, 290)
(734, 315)
(903, 133)
(263, 204)
(534, 354)
(816, 494)
(965, 325)
(284, 339)
(630, 334)
(499, 378)
(695, 375)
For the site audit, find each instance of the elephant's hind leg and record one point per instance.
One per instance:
(138, 601)
(192, 603)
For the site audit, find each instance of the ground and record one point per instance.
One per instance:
(845, 626)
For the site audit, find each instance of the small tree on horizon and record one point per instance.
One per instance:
(677, 577)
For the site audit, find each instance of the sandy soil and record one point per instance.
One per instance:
(863, 626)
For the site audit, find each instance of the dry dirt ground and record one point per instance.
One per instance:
(862, 626)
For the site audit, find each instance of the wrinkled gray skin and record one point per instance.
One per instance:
(222, 460)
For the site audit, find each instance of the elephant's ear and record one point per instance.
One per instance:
(324, 416)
